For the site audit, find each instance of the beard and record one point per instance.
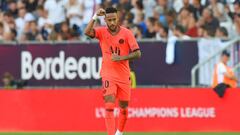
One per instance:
(113, 28)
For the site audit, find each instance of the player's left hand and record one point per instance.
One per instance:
(116, 55)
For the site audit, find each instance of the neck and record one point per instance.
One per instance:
(225, 63)
(114, 31)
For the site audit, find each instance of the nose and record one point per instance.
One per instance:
(112, 22)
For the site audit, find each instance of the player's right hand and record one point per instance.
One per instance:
(101, 12)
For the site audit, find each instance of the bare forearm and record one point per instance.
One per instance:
(133, 55)
(232, 77)
(89, 31)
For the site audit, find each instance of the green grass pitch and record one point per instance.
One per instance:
(178, 133)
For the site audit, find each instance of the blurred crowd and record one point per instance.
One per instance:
(58, 20)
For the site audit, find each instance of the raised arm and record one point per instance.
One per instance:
(89, 31)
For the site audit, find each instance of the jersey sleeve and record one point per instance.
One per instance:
(98, 32)
(132, 41)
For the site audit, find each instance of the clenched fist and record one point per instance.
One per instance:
(100, 12)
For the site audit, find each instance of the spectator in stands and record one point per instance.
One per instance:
(12, 24)
(45, 25)
(65, 32)
(236, 25)
(1, 31)
(190, 7)
(187, 20)
(223, 73)
(74, 14)
(141, 23)
(127, 23)
(7, 27)
(32, 33)
(12, 8)
(31, 5)
(21, 20)
(27, 25)
(201, 31)
(179, 4)
(137, 31)
(179, 32)
(7, 19)
(51, 13)
(109, 3)
(149, 7)
(11, 36)
(198, 8)
(56, 14)
(157, 26)
(218, 10)
(55, 36)
(160, 11)
(162, 32)
(150, 27)
(208, 33)
(3, 5)
(123, 6)
(10, 83)
(236, 9)
(171, 21)
(89, 6)
(75, 35)
(222, 33)
(20, 4)
(7, 81)
(137, 10)
(208, 20)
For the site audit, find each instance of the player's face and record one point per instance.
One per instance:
(112, 21)
(225, 59)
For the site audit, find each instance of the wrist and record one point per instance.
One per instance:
(95, 17)
(123, 57)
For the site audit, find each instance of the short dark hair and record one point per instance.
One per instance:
(152, 20)
(111, 10)
(180, 28)
(171, 13)
(11, 1)
(223, 30)
(1, 25)
(165, 29)
(210, 11)
(14, 32)
(237, 2)
(8, 13)
(40, 7)
(139, 4)
(225, 53)
(185, 8)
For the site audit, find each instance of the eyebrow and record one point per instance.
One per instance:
(111, 18)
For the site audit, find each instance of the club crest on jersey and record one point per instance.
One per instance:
(121, 41)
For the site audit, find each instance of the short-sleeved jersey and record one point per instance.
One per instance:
(125, 41)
